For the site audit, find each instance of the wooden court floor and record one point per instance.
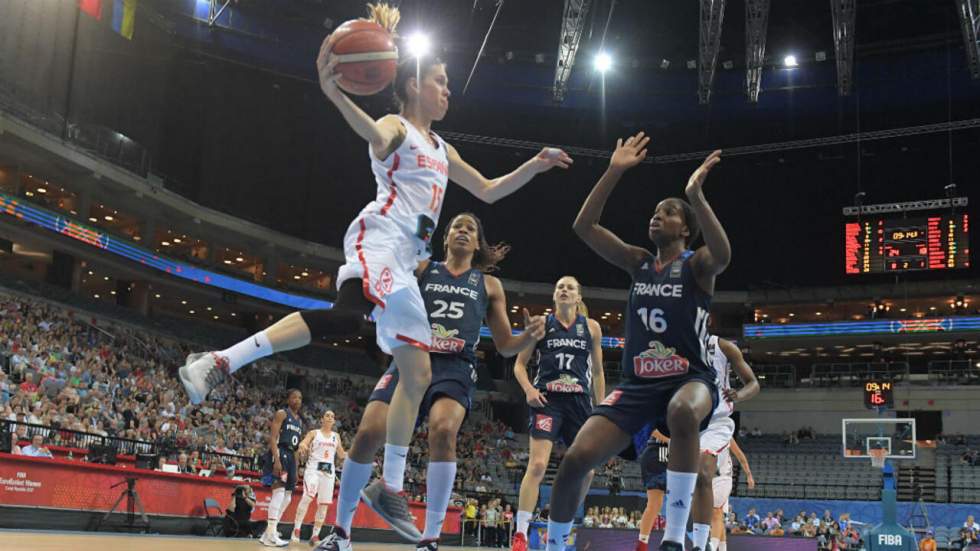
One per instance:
(29, 540)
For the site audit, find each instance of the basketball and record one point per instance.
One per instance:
(367, 57)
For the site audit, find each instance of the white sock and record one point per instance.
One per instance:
(645, 538)
(523, 520)
(680, 493)
(286, 499)
(714, 544)
(318, 518)
(558, 535)
(393, 470)
(701, 534)
(723, 546)
(355, 477)
(278, 494)
(253, 348)
(438, 490)
(304, 504)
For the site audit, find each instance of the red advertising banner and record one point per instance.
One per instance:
(63, 484)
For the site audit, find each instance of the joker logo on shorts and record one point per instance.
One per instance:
(543, 422)
(445, 341)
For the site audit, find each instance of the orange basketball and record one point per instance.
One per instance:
(367, 57)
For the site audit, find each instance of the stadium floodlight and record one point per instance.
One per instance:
(790, 61)
(603, 62)
(418, 44)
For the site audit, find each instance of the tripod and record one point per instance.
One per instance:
(132, 502)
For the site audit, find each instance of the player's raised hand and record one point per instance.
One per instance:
(696, 180)
(731, 395)
(534, 325)
(550, 157)
(326, 64)
(629, 153)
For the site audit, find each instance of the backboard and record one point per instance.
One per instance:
(895, 436)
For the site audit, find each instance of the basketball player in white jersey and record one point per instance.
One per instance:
(384, 244)
(323, 451)
(724, 356)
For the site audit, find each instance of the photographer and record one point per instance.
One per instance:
(238, 523)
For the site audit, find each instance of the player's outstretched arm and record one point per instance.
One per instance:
(750, 384)
(488, 190)
(604, 242)
(384, 135)
(504, 339)
(598, 371)
(713, 258)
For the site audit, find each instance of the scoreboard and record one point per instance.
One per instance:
(878, 395)
(882, 245)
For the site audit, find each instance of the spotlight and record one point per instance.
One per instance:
(728, 64)
(603, 62)
(692, 64)
(790, 61)
(664, 63)
(418, 45)
(821, 56)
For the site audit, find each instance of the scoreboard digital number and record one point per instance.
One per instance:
(880, 245)
(878, 395)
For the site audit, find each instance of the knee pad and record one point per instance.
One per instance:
(335, 322)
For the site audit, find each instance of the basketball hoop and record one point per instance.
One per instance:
(878, 457)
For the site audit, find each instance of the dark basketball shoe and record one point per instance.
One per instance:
(427, 545)
(671, 546)
(337, 541)
(393, 508)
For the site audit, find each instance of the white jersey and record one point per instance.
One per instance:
(323, 450)
(723, 368)
(411, 183)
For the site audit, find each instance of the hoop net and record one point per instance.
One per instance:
(878, 457)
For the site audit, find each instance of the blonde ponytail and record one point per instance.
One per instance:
(581, 308)
(385, 15)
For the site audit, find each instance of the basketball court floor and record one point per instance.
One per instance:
(30, 540)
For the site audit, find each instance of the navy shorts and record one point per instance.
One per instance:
(632, 406)
(452, 376)
(653, 466)
(288, 459)
(561, 418)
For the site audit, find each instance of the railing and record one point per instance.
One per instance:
(88, 441)
(856, 374)
(770, 376)
(808, 490)
(962, 372)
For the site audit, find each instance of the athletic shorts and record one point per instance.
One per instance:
(653, 467)
(384, 257)
(452, 376)
(632, 406)
(288, 459)
(319, 485)
(722, 488)
(561, 418)
(717, 437)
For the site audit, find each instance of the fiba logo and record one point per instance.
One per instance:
(889, 539)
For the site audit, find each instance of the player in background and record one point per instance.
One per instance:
(323, 451)
(569, 380)
(279, 464)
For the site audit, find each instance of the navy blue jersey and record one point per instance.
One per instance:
(666, 323)
(565, 357)
(457, 305)
(291, 431)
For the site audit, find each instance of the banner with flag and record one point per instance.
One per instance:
(124, 17)
(91, 7)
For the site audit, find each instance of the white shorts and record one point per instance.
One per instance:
(318, 485)
(716, 438)
(722, 489)
(384, 257)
